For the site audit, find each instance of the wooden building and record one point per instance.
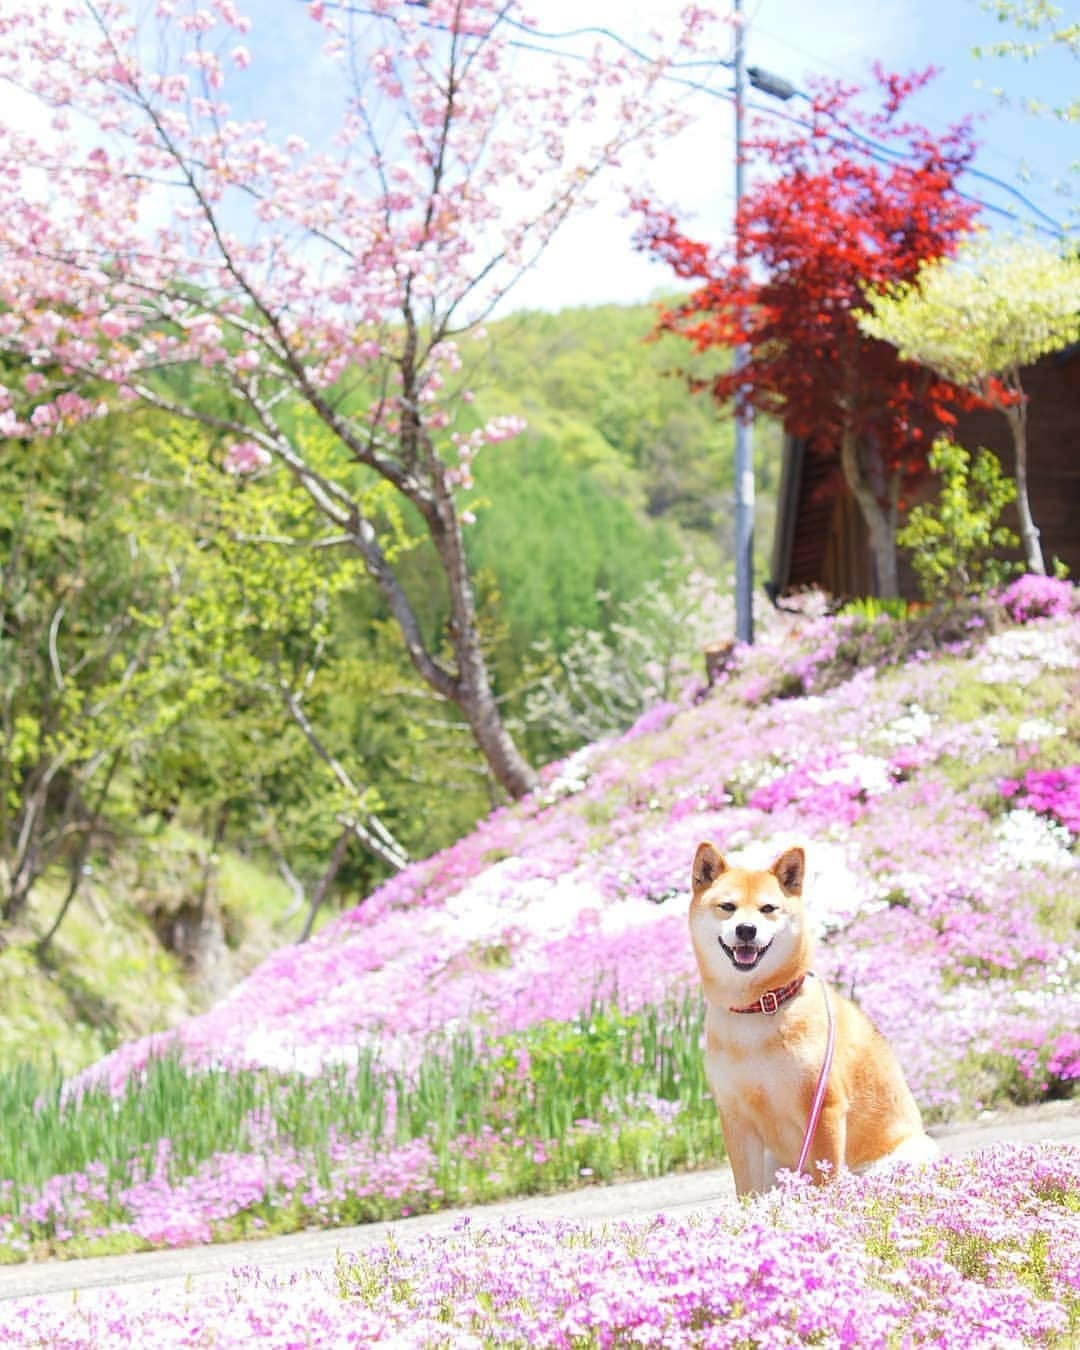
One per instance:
(820, 539)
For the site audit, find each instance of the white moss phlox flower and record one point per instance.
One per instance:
(1026, 839)
(1020, 655)
(867, 772)
(509, 894)
(911, 728)
(1037, 729)
(573, 776)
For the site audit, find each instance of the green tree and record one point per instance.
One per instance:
(595, 382)
(95, 657)
(557, 543)
(259, 757)
(978, 321)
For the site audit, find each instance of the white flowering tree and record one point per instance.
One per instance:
(163, 244)
(978, 321)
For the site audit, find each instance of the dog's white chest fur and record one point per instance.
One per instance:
(758, 1081)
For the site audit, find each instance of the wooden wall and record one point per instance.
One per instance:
(820, 539)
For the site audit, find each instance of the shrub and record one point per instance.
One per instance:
(602, 683)
(954, 539)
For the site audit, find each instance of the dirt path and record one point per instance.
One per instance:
(685, 1192)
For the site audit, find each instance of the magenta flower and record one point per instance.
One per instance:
(1050, 792)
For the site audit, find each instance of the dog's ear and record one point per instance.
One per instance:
(708, 865)
(789, 870)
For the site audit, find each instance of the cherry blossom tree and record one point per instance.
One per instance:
(161, 242)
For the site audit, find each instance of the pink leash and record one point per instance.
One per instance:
(822, 1082)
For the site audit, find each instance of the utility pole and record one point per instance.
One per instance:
(744, 425)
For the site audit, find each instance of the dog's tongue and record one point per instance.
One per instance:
(745, 956)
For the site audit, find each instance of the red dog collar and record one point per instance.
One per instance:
(771, 999)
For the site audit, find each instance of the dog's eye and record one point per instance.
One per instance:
(769, 909)
(727, 907)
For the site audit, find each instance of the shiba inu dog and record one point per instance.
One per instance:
(767, 1032)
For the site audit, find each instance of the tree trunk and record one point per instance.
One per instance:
(511, 769)
(1029, 531)
(468, 686)
(880, 523)
(78, 863)
(210, 859)
(32, 851)
(325, 882)
(472, 687)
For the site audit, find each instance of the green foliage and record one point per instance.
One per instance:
(954, 541)
(993, 309)
(609, 1094)
(965, 698)
(95, 656)
(374, 712)
(40, 1025)
(871, 607)
(617, 403)
(602, 680)
(564, 552)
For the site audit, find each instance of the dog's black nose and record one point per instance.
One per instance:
(745, 932)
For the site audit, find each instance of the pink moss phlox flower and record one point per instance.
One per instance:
(654, 719)
(971, 1252)
(829, 788)
(1050, 792)
(1033, 597)
(577, 894)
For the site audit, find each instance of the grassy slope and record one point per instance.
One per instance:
(106, 978)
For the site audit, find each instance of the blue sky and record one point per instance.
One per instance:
(594, 262)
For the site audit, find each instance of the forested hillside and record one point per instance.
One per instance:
(196, 693)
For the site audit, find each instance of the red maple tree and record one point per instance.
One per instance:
(850, 200)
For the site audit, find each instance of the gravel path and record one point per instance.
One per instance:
(679, 1193)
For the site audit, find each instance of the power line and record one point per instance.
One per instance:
(817, 60)
(899, 155)
(875, 150)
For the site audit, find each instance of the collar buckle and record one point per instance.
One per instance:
(772, 999)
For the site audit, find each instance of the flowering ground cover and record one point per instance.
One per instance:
(520, 1012)
(978, 1252)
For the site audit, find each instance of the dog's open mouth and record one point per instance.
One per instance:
(745, 955)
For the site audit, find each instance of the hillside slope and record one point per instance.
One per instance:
(520, 1011)
(935, 889)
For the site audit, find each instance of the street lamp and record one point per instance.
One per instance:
(765, 82)
(777, 87)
